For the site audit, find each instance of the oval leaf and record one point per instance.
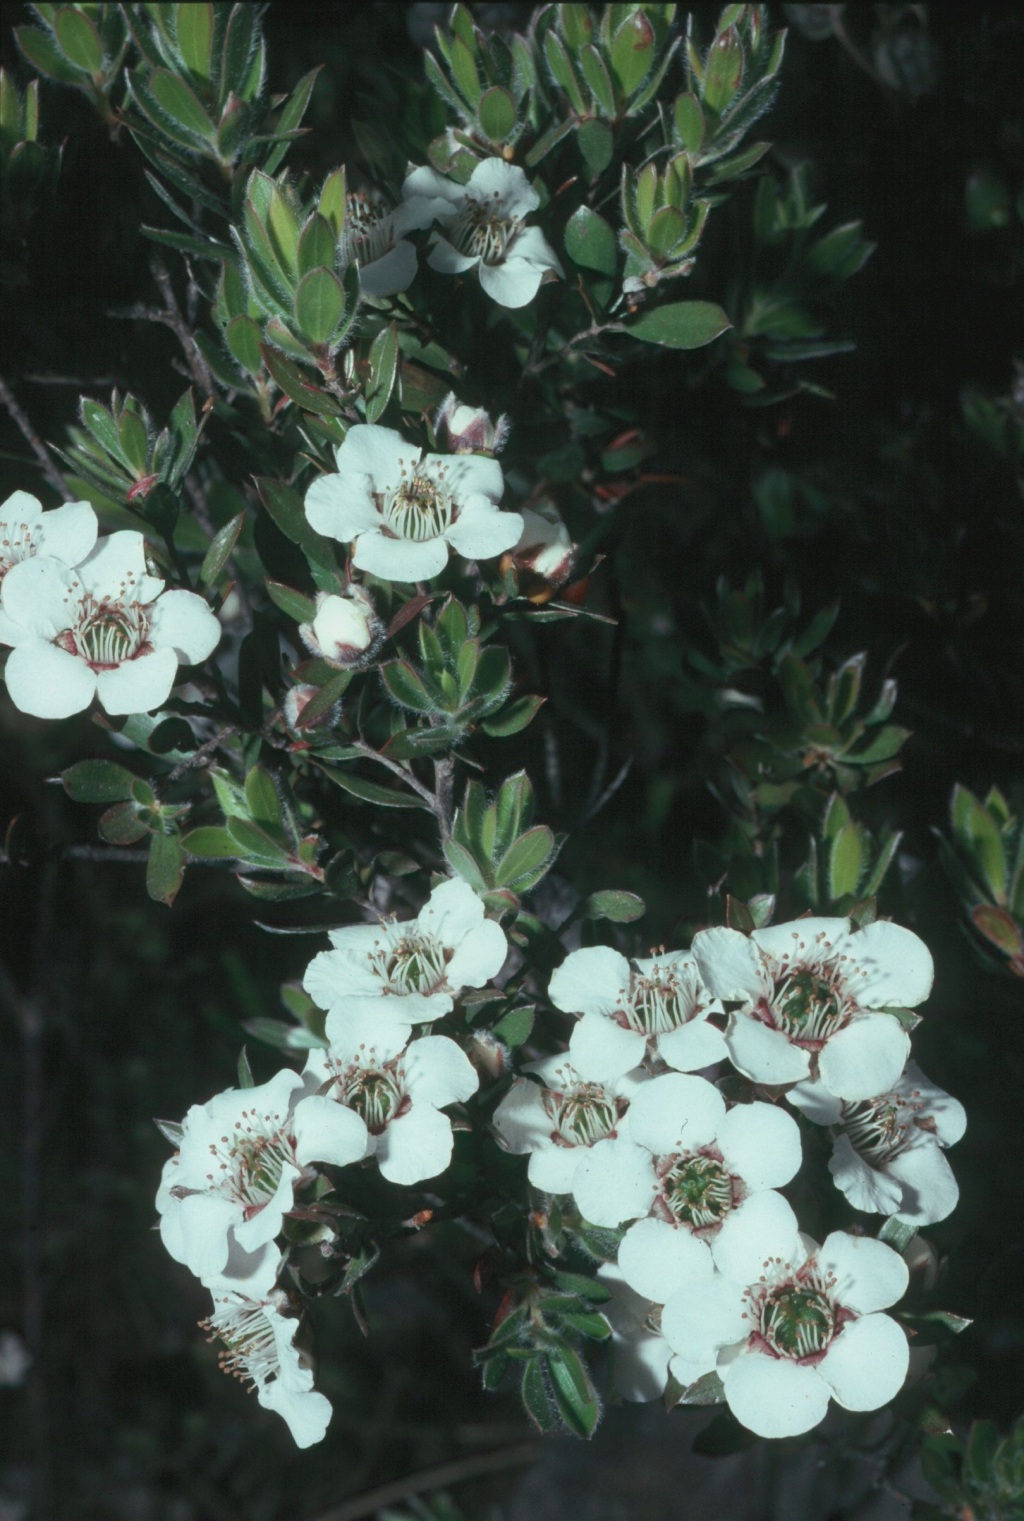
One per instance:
(681, 325)
(319, 304)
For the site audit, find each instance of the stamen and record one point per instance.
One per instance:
(252, 1161)
(482, 232)
(411, 963)
(245, 1328)
(19, 541)
(419, 508)
(809, 1005)
(375, 1094)
(368, 233)
(661, 1000)
(106, 633)
(795, 1314)
(583, 1114)
(698, 1190)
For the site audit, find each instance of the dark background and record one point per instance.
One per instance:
(115, 1009)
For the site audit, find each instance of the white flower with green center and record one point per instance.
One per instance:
(793, 1326)
(809, 996)
(259, 1343)
(65, 533)
(657, 1006)
(640, 1353)
(104, 629)
(414, 969)
(240, 1156)
(374, 238)
(887, 1152)
(697, 1180)
(483, 230)
(395, 1091)
(403, 510)
(559, 1118)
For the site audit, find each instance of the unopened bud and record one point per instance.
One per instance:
(469, 430)
(489, 1055)
(297, 699)
(346, 630)
(545, 549)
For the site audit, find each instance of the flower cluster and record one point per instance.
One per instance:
(371, 1094)
(713, 1275)
(86, 618)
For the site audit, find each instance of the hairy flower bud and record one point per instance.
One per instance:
(469, 430)
(346, 630)
(545, 548)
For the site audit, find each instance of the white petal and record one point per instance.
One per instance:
(41, 597)
(602, 1049)
(139, 685)
(427, 182)
(437, 1072)
(760, 1144)
(694, 1045)
(763, 1054)
(703, 1316)
(448, 260)
(554, 1168)
(306, 1412)
(361, 1032)
(393, 271)
(895, 967)
(763, 1226)
(866, 1058)
(451, 912)
(398, 1009)
(468, 476)
(67, 533)
(480, 956)
(868, 1188)
(116, 568)
(328, 1132)
(773, 1397)
(204, 1221)
(532, 246)
(869, 1275)
(482, 531)
(342, 506)
(21, 507)
(929, 1189)
(595, 980)
(730, 964)
(417, 1145)
(657, 1259)
(615, 1181)
(10, 632)
(262, 1227)
(815, 1102)
(813, 938)
(522, 1120)
(400, 559)
(184, 621)
(676, 1113)
(380, 453)
(343, 972)
(48, 682)
(948, 1113)
(867, 1363)
(513, 283)
(494, 177)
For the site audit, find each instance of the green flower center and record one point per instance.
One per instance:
(585, 1114)
(797, 1322)
(698, 1191)
(411, 964)
(660, 1000)
(250, 1162)
(808, 1006)
(481, 231)
(374, 1094)
(420, 508)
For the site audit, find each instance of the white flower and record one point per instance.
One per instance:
(658, 1005)
(259, 1344)
(483, 221)
(64, 533)
(641, 1355)
(403, 510)
(234, 1175)
(545, 546)
(413, 970)
(801, 1325)
(887, 1151)
(557, 1119)
(469, 430)
(395, 1092)
(372, 237)
(701, 1178)
(808, 992)
(105, 629)
(345, 630)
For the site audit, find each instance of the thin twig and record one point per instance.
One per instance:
(199, 757)
(176, 322)
(35, 443)
(444, 792)
(594, 331)
(442, 1477)
(407, 776)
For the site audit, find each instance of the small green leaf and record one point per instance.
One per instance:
(221, 549)
(464, 71)
(242, 336)
(371, 792)
(165, 868)
(283, 1037)
(255, 845)
(97, 781)
(614, 904)
(181, 103)
(596, 144)
(598, 80)
(262, 800)
(999, 929)
(195, 37)
(562, 71)
(319, 305)
(897, 1235)
(633, 51)
(574, 1394)
(464, 864)
(123, 825)
(79, 40)
(681, 325)
(886, 743)
(383, 368)
(514, 717)
(407, 687)
(496, 114)
(514, 1027)
(530, 854)
(666, 229)
(978, 834)
(689, 123)
(590, 241)
(245, 1077)
(44, 55)
(723, 70)
(211, 843)
(534, 1394)
(295, 603)
(845, 861)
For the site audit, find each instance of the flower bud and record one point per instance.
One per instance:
(346, 630)
(545, 549)
(296, 701)
(469, 430)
